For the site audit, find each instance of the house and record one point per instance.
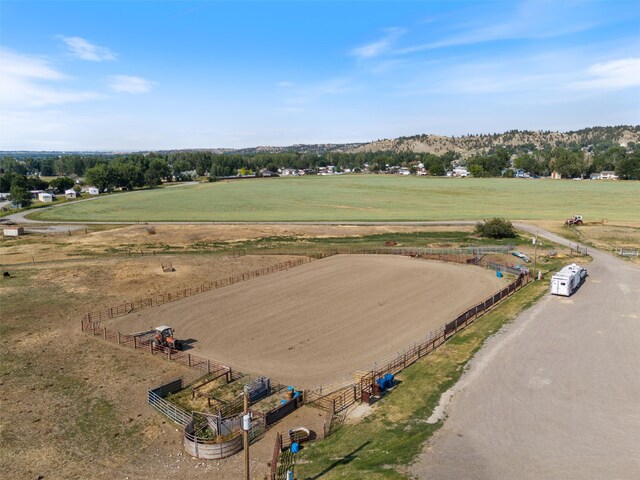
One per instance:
(70, 194)
(13, 231)
(608, 175)
(45, 197)
(35, 193)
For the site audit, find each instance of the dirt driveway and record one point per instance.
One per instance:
(555, 394)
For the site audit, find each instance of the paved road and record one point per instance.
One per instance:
(556, 394)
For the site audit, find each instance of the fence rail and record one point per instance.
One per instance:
(155, 398)
(365, 387)
(627, 252)
(95, 318)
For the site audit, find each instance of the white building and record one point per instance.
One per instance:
(45, 197)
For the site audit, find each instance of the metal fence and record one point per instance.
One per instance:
(627, 252)
(155, 398)
(146, 345)
(94, 318)
(503, 268)
(365, 387)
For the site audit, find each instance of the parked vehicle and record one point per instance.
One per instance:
(566, 281)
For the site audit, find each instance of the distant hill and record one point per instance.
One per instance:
(466, 145)
(519, 139)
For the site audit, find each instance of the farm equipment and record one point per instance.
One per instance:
(575, 220)
(162, 336)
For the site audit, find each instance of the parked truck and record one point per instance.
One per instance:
(566, 281)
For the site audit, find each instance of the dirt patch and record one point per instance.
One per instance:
(315, 324)
(136, 238)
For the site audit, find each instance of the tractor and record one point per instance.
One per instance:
(575, 220)
(164, 337)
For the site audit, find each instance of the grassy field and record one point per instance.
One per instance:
(363, 198)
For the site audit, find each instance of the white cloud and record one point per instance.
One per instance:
(25, 82)
(527, 20)
(381, 46)
(17, 65)
(615, 74)
(285, 84)
(129, 84)
(84, 50)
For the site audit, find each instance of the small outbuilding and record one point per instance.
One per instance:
(93, 191)
(13, 231)
(45, 197)
(70, 194)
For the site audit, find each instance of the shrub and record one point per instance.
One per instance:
(496, 228)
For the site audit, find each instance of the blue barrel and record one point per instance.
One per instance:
(295, 447)
(388, 380)
(296, 395)
(283, 401)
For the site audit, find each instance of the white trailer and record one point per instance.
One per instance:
(567, 280)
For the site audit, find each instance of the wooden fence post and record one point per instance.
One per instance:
(189, 359)
(151, 347)
(135, 342)
(208, 366)
(118, 337)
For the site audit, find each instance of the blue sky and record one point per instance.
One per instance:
(124, 75)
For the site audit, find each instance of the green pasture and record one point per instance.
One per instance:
(363, 198)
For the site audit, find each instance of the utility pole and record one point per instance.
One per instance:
(246, 426)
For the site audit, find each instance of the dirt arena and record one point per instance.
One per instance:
(316, 324)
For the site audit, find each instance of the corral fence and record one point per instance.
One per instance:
(92, 320)
(125, 308)
(365, 387)
(155, 398)
(146, 344)
(277, 448)
(627, 252)
(503, 268)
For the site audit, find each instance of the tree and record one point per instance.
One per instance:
(101, 176)
(19, 193)
(5, 181)
(60, 184)
(157, 171)
(437, 170)
(629, 168)
(127, 175)
(495, 228)
(46, 168)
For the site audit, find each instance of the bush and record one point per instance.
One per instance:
(496, 228)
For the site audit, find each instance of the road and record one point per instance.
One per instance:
(556, 394)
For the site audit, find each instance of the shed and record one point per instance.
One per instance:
(45, 197)
(71, 193)
(13, 231)
(93, 191)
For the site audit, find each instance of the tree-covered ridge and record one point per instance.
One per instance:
(522, 140)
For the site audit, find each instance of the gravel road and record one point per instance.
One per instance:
(556, 394)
